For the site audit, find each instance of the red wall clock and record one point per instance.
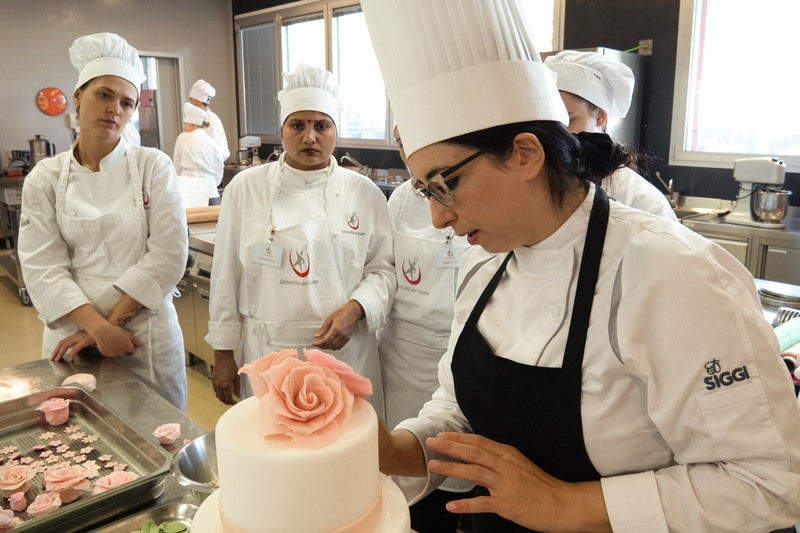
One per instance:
(52, 101)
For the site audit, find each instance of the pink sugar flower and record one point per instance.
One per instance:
(15, 479)
(45, 503)
(56, 411)
(17, 502)
(167, 433)
(112, 481)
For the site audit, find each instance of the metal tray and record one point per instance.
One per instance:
(181, 512)
(21, 425)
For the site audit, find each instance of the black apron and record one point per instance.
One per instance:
(535, 409)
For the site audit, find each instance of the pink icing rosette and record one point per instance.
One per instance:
(45, 503)
(17, 501)
(167, 433)
(7, 519)
(307, 401)
(56, 411)
(113, 480)
(15, 478)
(66, 480)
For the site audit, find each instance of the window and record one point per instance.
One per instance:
(735, 82)
(333, 34)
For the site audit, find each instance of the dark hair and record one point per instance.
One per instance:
(572, 160)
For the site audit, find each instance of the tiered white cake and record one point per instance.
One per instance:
(272, 485)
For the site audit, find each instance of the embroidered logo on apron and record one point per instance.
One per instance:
(300, 260)
(352, 220)
(412, 274)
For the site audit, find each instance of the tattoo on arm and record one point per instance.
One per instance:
(123, 321)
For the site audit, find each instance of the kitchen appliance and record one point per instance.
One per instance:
(248, 150)
(761, 201)
(41, 148)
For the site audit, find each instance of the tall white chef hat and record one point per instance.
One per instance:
(104, 54)
(193, 114)
(202, 91)
(606, 83)
(452, 67)
(309, 88)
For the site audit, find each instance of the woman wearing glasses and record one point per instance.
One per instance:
(303, 250)
(607, 369)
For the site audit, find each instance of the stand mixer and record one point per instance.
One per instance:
(759, 176)
(248, 150)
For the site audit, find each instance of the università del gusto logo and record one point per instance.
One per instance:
(300, 261)
(717, 378)
(352, 220)
(412, 273)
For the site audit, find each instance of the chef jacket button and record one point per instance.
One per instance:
(72, 213)
(554, 311)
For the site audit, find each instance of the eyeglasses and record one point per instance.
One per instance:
(437, 185)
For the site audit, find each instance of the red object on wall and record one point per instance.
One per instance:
(51, 101)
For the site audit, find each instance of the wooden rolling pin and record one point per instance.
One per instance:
(202, 214)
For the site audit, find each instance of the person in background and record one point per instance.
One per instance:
(103, 237)
(426, 263)
(304, 250)
(608, 369)
(595, 87)
(200, 95)
(196, 154)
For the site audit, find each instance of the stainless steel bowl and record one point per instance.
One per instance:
(195, 466)
(771, 206)
(244, 157)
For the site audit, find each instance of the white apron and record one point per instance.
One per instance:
(418, 326)
(298, 293)
(102, 249)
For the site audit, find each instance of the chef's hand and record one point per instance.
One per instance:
(519, 490)
(75, 342)
(225, 377)
(338, 327)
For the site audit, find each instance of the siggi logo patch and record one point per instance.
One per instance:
(717, 378)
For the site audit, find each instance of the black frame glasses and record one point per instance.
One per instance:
(437, 186)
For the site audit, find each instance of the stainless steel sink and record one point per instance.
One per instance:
(692, 206)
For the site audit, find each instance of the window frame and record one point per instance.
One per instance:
(678, 155)
(291, 10)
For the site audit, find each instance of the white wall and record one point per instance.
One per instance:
(37, 34)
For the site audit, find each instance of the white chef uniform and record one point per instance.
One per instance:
(334, 239)
(426, 265)
(203, 91)
(630, 188)
(643, 353)
(685, 409)
(85, 236)
(197, 155)
(608, 84)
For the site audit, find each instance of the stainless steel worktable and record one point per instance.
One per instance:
(120, 391)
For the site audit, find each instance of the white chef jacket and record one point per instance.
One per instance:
(688, 413)
(363, 257)
(197, 155)
(217, 132)
(58, 285)
(630, 188)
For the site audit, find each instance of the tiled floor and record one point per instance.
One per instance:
(21, 336)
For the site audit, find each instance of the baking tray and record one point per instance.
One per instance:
(178, 511)
(21, 425)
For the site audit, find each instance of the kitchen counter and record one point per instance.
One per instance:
(123, 393)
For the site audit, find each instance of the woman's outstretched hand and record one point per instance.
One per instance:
(519, 490)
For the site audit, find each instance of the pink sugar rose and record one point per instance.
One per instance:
(355, 383)
(66, 480)
(306, 402)
(15, 478)
(255, 369)
(112, 481)
(7, 519)
(167, 433)
(56, 411)
(45, 503)
(17, 501)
